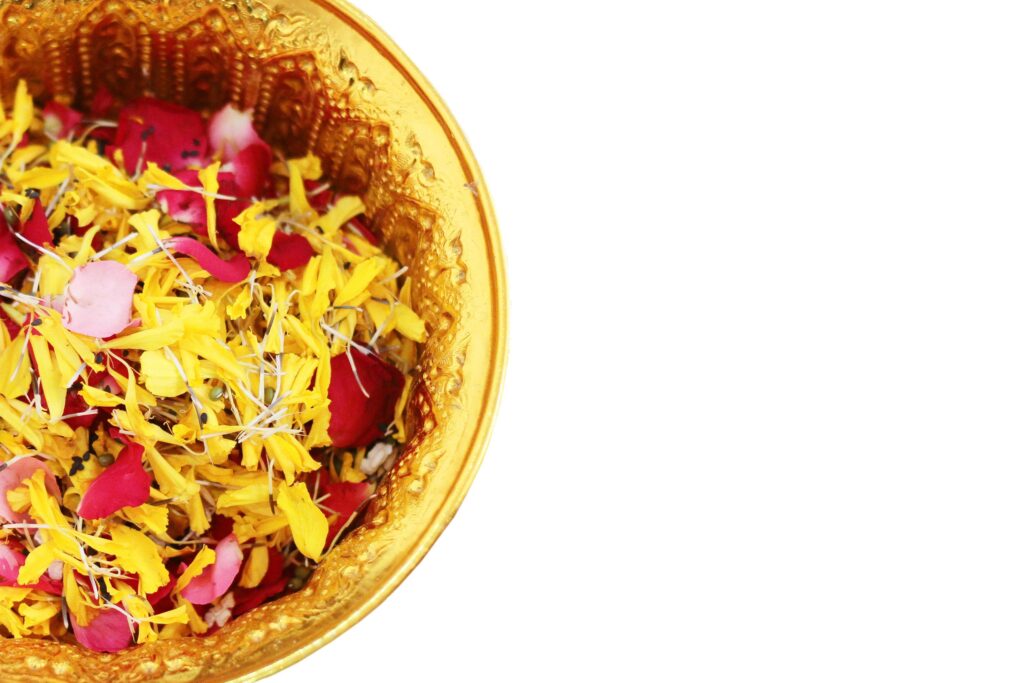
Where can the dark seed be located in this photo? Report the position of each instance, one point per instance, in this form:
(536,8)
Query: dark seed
(148,133)
(204,418)
(295,583)
(105,459)
(37,322)
(11,216)
(32,193)
(98,359)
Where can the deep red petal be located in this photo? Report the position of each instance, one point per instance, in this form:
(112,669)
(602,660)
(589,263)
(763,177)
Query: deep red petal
(35,229)
(60,121)
(248,599)
(321,200)
(357,420)
(289,251)
(102,102)
(12,260)
(343,498)
(251,169)
(74,403)
(235,270)
(173,136)
(359,225)
(123,484)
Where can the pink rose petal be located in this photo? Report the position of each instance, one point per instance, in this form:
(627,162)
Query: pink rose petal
(109,631)
(123,484)
(11,477)
(10,562)
(231,132)
(235,270)
(217,578)
(98,300)
(60,121)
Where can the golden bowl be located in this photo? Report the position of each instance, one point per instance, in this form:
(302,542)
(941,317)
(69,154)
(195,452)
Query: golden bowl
(322,78)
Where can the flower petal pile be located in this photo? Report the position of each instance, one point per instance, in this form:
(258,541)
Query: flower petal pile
(204,361)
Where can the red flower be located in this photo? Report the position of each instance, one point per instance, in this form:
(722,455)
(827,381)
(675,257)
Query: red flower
(60,121)
(36,230)
(167,134)
(288,252)
(123,484)
(344,498)
(363,391)
(12,261)
(274,581)
(235,270)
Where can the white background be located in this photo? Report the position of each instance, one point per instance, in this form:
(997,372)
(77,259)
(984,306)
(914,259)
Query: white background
(762,418)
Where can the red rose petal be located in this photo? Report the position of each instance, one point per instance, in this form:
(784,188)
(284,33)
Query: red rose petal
(251,169)
(11,478)
(109,631)
(184,206)
(217,578)
(235,270)
(36,230)
(171,136)
(357,420)
(344,498)
(248,599)
(359,225)
(319,200)
(102,102)
(12,260)
(60,121)
(125,484)
(288,252)
(74,403)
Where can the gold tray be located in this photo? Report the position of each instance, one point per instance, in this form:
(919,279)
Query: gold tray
(323,78)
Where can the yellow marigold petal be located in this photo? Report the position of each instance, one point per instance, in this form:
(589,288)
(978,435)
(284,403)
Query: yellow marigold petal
(22,113)
(203,559)
(362,276)
(208,178)
(150,339)
(98,398)
(344,210)
(160,375)
(53,388)
(410,324)
(257,235)
(308,522)
(255,567)
(136,553)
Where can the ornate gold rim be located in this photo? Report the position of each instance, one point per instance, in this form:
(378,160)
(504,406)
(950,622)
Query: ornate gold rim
(484,418)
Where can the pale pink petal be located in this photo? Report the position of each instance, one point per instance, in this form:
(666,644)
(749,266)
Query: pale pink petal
(235,270)
(109,631)
(124,484)
(98,300)
(11,476)
(218,577)
(231,131)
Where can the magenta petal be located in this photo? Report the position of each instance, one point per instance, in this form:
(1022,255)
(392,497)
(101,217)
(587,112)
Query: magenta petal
(109,631)
(231,132)
(12,261)
(10,562)
(124,484)
(11,477)
(98,300)
(289,251)
(167,134)
(251,169)
(217,578)
(60,121)
(235,270)
(36,230)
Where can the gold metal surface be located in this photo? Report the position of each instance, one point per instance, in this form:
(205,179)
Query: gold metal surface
(321,78)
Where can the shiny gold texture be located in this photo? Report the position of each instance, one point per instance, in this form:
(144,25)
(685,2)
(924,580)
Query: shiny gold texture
(322,78)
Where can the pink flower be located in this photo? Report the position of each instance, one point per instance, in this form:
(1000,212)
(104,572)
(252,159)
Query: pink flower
(217,578)
(98,300)
(11,477)
(108,631)
(231,132)
(11,561)
(362,400)
(123,484)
